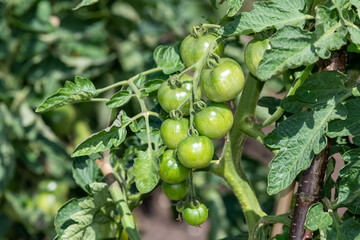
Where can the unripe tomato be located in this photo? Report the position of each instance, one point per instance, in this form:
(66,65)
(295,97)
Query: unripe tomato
(173,131)
(254,53)
(214,121)
(195,214)
(171,170)
(223,82)
(195,152)
(171,98)
(192,48)
(175,191)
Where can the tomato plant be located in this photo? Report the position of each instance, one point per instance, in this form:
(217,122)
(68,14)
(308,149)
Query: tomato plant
(153,127)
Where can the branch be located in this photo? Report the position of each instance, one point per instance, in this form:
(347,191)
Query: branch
(117,194)
(312,178)
(231,158)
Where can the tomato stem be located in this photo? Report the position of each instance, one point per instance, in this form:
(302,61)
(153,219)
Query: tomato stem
(126,82)
(116,192)
(192,191)
(232,152)
(280,111)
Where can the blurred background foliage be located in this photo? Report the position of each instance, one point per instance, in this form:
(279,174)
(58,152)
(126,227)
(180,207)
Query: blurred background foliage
(45,42)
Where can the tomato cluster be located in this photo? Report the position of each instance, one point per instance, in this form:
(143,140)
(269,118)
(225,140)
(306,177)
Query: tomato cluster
(189,142)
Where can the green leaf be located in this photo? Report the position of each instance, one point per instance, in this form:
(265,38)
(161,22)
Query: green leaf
(84,3)
(316,90)
(269,102)
(349,185)
(83,89)
(168,59)
(350,229)
(316,218)
(356,140)
(303,134)
(292,104)
(353,48)
(153,85)
(62,219)
(134,126)
(356,3)
(354,34)
(103,140)
(234,6)
(296,4)
(119,99)
(349,126)
(146,167)
(89,206)
(273,15)
(85,171)
(292,47)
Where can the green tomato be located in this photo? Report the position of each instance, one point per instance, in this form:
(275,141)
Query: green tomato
(195,152)
(175,191)
(193,48)
(61,119)
(214,121)
(254,53)
(223,82)
(195,214)
(171,170)
(173,131)
(171,98)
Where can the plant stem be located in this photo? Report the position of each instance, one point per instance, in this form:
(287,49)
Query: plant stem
(280,111)
(312,178)
(245,112)
(125,82)
(117,194)
(231,158)
(127,220)
(144,110)
(308,192)
(98,100)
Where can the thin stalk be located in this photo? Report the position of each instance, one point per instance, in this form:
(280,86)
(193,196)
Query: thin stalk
(117,194)
(144,110)
(186,70)
(98,100)
(125,82)
(280,111)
